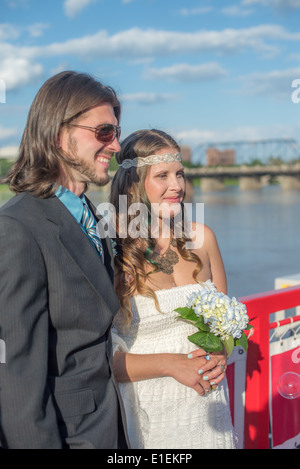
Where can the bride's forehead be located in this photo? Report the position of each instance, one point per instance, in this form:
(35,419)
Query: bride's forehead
(167,167)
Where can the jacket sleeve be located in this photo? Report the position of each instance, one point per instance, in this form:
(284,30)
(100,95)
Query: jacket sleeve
(27,415)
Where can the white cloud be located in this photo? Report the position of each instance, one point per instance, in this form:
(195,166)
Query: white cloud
(195,11)
(285,4)
(196,137)
(187,73)
(146,98)
(275,83)
(137,43)
(73,7)
(236,10)
(294,57)
(20,64)
(6,133)
(8,32)
(17,3)
(37,29)
(18,72)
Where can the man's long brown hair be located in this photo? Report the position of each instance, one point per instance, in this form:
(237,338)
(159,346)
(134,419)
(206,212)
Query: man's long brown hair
(62,98)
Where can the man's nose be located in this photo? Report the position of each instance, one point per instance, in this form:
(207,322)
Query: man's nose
(115,145)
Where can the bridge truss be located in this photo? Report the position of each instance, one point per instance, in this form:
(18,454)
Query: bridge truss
(248,151)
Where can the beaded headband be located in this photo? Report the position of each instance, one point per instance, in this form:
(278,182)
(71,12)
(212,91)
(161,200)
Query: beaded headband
(150,160)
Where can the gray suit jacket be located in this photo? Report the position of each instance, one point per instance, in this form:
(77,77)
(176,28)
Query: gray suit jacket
(57,304)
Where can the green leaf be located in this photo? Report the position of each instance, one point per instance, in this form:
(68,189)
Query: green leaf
(187,313)
(249,327)
(201,325)
(242,341)
(182,310)
(207,341)
(229,344)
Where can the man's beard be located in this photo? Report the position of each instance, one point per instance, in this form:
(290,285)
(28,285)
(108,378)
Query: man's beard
(82,167)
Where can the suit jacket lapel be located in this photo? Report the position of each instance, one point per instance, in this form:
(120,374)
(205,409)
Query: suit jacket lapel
(81,250)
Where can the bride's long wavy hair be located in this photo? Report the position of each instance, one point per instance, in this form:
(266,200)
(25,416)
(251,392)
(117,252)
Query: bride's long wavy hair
(132,254)
(62,99)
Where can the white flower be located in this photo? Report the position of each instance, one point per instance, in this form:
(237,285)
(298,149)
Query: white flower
(217,316)
(225,316)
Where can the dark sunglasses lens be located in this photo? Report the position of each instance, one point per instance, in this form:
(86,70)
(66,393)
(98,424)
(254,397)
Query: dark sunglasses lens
(107,133)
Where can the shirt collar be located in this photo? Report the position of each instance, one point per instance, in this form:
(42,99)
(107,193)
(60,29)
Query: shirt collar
(71,201)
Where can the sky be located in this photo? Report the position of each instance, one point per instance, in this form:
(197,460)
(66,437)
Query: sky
(204,71)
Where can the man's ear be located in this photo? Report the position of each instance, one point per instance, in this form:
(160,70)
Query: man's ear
(60,138)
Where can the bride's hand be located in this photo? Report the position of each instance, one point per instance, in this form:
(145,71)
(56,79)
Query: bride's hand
(186,371)
(193,370)
(213,366)
(196,370)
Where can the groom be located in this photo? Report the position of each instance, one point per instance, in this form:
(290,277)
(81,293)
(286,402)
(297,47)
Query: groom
(57,301)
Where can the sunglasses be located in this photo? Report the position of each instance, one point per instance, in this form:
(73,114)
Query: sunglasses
(104,133)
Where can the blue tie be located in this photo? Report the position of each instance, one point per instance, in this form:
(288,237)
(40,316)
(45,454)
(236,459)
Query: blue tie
(89,224)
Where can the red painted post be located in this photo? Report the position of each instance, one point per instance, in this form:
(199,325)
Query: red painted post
(259,308)
(257,383)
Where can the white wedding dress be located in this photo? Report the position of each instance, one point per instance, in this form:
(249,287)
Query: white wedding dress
(161,412)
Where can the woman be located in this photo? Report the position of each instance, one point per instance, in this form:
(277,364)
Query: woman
(169,386)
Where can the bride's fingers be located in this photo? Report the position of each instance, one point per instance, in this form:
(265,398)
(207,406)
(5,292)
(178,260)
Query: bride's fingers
(202,360)
(216,375)
(201,389)
(212,359)
(210,368)
(197,353)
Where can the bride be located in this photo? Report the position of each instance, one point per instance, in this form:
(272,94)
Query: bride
(175,394)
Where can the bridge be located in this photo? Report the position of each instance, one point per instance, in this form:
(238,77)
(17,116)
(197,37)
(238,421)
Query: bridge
(247,151)
(231,172)
(275,158)
(250,177)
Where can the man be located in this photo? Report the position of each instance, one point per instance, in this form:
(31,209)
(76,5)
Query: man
(57,300)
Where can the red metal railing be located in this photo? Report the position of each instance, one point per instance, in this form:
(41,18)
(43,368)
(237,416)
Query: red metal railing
(259,307)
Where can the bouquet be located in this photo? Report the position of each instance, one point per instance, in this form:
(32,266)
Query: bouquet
(220,320)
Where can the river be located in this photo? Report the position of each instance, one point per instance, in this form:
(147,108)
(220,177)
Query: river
(258,234)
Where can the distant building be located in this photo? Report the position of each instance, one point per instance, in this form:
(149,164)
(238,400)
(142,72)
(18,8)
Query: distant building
(216,157)
(186,153)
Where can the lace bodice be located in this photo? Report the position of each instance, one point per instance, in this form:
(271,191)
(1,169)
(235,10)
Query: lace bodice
(152,329)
